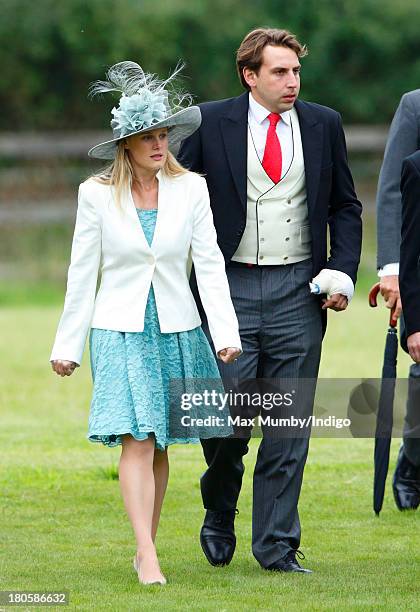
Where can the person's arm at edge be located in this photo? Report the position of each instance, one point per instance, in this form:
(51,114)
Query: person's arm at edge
(344,218)
(410,256)
(81,282)
(403,140)
(210,271)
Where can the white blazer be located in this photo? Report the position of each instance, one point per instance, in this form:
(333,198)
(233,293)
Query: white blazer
(112,241)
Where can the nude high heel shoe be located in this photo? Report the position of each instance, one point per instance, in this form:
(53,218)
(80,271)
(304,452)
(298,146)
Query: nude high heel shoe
(161,581)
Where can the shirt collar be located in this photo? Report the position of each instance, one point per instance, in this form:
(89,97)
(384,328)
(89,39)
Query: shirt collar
(260,113)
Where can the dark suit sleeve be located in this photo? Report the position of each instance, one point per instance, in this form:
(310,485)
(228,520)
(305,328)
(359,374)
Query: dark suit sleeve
(190,154)
(410,247)
(344,215)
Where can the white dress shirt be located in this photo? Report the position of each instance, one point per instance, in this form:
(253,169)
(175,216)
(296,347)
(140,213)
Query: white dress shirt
(258,124)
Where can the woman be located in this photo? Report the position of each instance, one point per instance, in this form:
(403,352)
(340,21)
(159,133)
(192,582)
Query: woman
(144,336)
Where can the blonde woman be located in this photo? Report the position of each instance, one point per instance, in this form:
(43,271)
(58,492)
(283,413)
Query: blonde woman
(137,223)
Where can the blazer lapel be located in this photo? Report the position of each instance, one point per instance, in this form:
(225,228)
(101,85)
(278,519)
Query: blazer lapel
(161,211)
(312,134)
(234,128)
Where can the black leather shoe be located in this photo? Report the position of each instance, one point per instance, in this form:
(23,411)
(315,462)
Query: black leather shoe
(406,483)
(217,536)
(289,563)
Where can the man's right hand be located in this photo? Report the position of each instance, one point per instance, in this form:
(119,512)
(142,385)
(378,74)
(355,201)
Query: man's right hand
(390,291)
(413,344)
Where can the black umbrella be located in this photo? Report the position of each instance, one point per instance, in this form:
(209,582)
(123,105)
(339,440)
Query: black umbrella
(384,419)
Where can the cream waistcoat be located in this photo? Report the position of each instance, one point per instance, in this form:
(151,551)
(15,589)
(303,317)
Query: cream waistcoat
(277,227)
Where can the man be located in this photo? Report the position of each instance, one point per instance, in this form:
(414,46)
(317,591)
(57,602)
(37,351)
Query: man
(277,174)
(403,140)
(407,480)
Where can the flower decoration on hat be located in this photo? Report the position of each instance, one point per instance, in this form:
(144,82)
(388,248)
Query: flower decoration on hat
(145,101)
(139,111)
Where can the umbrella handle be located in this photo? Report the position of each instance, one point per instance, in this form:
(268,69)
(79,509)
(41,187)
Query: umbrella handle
(373,294)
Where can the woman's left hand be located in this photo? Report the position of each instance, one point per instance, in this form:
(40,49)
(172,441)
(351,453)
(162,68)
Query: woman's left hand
(229,355)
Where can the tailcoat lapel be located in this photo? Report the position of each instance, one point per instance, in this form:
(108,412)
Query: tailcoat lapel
(234,129)
(312,134)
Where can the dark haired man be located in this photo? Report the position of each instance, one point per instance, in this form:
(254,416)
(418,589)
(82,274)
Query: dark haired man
(277,174)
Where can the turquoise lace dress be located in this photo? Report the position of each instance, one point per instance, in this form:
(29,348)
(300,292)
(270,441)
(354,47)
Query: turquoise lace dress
(140,378)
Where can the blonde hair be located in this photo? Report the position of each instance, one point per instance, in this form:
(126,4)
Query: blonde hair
(120,172)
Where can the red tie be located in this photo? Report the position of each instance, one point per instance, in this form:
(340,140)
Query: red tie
(272,159)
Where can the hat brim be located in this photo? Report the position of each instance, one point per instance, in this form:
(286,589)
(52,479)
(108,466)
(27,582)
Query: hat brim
(180,125)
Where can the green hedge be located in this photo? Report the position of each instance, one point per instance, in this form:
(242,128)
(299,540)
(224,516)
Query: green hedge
(363,53)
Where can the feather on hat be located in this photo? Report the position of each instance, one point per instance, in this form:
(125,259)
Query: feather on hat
(146,103)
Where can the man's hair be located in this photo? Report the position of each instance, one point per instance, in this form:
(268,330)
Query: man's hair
(250,52)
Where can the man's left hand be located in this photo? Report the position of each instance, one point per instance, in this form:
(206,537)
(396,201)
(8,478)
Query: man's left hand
(336,302)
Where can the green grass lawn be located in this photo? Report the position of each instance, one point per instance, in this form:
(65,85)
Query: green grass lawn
(64,524)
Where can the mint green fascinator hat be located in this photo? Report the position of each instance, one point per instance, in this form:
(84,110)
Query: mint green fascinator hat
(146,103)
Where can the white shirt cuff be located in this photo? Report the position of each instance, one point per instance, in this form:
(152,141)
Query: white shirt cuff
(389,270)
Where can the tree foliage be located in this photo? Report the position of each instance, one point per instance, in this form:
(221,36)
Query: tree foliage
(364,54)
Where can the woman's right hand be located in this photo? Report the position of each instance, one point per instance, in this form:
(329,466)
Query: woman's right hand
(62,367)
(229,355)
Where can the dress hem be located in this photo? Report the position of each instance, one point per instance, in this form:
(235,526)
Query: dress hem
(99,438)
